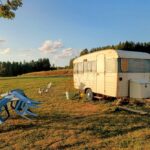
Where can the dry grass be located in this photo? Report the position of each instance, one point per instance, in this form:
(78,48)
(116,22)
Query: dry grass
(70,124)
(62,72)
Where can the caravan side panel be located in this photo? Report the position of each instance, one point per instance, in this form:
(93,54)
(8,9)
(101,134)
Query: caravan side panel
(111,84)
(123,86)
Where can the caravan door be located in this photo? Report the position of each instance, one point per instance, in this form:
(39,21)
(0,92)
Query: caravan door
(101,74)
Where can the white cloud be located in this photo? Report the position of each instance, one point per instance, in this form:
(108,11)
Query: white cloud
(50,46)
(65,53)
(5,51)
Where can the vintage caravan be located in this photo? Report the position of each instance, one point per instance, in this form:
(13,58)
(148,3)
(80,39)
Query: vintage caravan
(114,73)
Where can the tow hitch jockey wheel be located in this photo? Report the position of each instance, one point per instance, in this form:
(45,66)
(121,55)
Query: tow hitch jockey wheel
(89,94)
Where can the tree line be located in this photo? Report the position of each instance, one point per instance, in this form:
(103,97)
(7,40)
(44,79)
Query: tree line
(127,45)
(18,68)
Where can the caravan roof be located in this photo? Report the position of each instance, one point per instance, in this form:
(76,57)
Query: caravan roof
(117,54)
(133,54)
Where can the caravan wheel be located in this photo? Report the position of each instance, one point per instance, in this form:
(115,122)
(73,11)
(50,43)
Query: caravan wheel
(89,95)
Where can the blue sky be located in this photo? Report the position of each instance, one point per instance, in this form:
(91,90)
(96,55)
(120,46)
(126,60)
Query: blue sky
(60,29)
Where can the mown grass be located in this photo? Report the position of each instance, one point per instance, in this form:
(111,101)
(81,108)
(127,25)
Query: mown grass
(70,124)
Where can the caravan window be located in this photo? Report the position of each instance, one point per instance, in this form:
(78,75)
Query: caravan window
(134,65)
(111,65)
(124,64)
(80,67)
(85,66)
(94,66)
(89,66)
(75,67)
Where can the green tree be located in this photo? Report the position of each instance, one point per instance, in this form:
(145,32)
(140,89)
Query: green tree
(83,52)
(127,45)
(7,10)
(71,63)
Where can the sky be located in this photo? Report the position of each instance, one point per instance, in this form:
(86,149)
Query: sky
(60,29)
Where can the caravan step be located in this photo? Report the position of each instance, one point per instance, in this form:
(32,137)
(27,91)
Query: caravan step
(99,97)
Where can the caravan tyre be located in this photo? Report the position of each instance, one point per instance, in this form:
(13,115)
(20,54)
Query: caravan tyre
(89,95)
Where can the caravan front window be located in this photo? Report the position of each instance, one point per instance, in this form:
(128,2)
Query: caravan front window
(111,65)
(133,65)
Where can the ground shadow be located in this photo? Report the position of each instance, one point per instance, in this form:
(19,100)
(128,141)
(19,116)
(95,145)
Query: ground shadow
(103,126)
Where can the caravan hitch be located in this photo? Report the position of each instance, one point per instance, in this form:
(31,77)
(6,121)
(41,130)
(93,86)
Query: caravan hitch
(19,102)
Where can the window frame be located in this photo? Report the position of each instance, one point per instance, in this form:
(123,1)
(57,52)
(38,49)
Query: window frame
(129,67)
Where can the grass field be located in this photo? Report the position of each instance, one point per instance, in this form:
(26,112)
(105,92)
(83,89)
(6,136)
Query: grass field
(60,72)
(70,124)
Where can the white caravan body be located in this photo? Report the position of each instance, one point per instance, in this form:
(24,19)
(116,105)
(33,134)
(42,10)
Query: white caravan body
(109,72)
